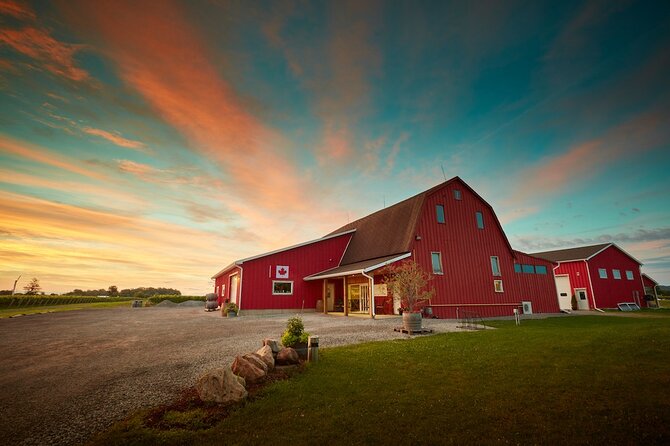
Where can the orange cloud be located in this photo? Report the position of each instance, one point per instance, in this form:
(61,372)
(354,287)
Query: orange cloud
(77,246)
(552,175)
(37,43)
(160,55)
(29,151)
(16,9)
(116,139)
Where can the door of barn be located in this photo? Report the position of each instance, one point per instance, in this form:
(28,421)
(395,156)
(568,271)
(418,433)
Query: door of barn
(234,285)
(582,299)
(563,289)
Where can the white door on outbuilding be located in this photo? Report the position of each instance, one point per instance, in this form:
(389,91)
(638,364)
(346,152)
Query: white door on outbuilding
(564,290)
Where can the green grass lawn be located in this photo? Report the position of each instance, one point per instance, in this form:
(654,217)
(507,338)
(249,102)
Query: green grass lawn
(13,312)
(571,380)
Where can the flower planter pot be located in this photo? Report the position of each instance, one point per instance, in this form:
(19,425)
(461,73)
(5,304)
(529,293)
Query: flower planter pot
(301,349)
(232,314)
(411,321)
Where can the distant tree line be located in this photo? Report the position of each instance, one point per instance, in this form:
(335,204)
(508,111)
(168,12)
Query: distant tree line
(113,291)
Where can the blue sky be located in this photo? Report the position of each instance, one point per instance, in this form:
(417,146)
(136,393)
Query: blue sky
(151,143)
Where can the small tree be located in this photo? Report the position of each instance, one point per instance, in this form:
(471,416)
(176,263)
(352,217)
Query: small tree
(409,281)
(295,333)
(113,291)
(33,287)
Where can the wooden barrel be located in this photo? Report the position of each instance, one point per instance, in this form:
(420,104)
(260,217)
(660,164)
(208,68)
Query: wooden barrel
(411,321)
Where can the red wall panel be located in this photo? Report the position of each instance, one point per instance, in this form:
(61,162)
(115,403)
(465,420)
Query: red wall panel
(467,282)
(579,277)
(258,275)
(609,292)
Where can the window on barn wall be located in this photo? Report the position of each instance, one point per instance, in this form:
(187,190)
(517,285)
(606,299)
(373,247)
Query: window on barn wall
(498,286)
(436,260)
(495,266)
(282,287)
(629,275)
(439,210)
(457,194)
(540,269)
(602,273)
(517,267)
(528,269)
(480,219)
(616,274)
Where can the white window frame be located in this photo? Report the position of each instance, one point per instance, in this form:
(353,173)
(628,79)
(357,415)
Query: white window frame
(498,273)
(629,275)
(432,265)
(282,281)
(602,273)
(457,194)
(496,288)
(615,273)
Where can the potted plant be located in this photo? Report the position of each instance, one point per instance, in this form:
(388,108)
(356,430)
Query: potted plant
(231,309)
(410,282)
(295,336)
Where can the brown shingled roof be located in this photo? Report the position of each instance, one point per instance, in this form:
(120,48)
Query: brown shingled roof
(566,255)
(386,232)
(391,230)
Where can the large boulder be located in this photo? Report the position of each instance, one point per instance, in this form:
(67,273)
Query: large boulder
(287,356)
(265,354)
(274,345)
(220,386)
(248,370)
(257,361)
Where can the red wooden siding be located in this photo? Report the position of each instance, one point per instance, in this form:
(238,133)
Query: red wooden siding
(259,274)
(579,277)
(466,260)
(223,294)
(609,292)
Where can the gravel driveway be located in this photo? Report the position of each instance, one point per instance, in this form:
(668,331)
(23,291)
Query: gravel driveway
(65,376)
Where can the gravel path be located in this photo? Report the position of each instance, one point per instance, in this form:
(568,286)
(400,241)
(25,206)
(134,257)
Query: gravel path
(65,376)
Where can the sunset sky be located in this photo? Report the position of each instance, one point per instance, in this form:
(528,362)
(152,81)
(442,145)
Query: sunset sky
(152,143)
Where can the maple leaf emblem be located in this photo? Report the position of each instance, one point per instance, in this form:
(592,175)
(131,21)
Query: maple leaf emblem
(282,271)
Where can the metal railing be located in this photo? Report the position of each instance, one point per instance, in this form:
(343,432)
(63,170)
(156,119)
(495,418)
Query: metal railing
(470,320)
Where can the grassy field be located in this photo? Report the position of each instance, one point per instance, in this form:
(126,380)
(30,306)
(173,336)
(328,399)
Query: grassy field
(572,380)
(17,311)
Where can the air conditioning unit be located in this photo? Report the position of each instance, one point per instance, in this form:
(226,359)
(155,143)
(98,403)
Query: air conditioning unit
(527,307)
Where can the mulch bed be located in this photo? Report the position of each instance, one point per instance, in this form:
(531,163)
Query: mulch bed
(200,414)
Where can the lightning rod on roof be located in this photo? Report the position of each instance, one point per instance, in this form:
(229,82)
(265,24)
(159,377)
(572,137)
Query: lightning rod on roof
(442,167)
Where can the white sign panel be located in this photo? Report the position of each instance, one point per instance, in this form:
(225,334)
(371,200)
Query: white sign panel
(281,272)
(380,290)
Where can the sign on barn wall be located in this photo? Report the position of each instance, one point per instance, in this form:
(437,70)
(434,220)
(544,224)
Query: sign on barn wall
(380,290)
(281,272)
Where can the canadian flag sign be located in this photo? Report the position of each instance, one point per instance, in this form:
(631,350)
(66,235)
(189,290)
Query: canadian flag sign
(281,272)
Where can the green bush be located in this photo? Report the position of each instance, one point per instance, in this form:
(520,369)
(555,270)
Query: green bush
(295,333)
(231,307)
(153,300)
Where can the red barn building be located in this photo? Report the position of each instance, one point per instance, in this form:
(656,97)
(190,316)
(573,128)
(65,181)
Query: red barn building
(599,276)
(650,292)
(449,230)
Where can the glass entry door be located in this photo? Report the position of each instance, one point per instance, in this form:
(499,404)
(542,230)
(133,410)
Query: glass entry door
(359,298)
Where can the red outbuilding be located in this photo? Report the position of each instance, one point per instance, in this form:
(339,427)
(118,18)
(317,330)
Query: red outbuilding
(598,276)
(449,230)
(650,291)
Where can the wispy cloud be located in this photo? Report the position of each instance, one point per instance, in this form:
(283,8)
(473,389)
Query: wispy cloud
(37,43)
(117,139)
(78,245)
(554,174)
(38,154)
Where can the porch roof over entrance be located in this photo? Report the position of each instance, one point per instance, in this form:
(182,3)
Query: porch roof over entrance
(358,267)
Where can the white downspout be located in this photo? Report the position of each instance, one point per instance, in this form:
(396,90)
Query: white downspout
(239,299)
(372,293)
(593,293)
